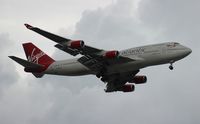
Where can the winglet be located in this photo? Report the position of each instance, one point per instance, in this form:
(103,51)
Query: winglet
(28,26)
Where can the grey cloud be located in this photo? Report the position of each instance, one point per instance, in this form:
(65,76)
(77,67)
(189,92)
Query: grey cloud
(8,74)
(73,84)
(114,24)
(179,19)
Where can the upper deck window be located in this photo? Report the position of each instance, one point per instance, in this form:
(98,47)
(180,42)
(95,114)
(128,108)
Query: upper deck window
(176,43)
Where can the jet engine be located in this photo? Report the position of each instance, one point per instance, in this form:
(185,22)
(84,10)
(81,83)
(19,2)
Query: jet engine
(76,44)
(111,54)
(127,88)
(139,79)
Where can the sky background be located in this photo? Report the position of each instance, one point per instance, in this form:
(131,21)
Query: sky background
(168,96)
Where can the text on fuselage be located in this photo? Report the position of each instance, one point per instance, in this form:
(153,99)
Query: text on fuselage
(133,51)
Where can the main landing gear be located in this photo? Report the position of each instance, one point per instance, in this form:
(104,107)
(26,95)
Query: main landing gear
(171,65)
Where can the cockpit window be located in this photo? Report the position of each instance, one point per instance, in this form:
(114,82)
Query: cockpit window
(176,43)
(172,44)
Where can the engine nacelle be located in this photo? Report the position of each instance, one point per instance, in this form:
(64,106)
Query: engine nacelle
(76,44)
(111,54)
(127,88)
(139,79)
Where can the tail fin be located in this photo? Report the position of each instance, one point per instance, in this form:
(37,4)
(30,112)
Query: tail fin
(36,55)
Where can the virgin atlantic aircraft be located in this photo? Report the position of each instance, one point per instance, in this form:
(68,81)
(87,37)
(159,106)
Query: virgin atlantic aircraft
(117,69)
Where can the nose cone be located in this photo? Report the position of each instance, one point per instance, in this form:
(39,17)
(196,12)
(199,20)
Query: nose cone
(180,51)
(188,51)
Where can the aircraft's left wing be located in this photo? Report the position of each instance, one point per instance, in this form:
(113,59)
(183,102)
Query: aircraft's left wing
(72,47)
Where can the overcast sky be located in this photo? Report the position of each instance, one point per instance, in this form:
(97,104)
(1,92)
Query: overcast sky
(169,97)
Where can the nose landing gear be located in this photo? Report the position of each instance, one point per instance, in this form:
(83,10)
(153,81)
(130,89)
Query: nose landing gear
(171,65)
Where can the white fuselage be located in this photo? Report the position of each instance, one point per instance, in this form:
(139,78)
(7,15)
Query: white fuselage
(142,57)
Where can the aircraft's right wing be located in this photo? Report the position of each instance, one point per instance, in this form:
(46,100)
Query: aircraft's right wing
(117,82)
(99,64)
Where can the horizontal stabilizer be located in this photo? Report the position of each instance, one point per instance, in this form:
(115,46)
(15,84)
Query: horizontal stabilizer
(25,63)
(28,65)
(38,75)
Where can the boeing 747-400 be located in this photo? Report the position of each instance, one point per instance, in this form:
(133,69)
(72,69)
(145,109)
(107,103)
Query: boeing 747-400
(117,69)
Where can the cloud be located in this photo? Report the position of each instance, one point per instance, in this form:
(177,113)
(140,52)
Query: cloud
(8,74)
(115,24)
(178,20)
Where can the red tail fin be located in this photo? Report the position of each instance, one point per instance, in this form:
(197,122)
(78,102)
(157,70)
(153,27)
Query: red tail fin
(37,56)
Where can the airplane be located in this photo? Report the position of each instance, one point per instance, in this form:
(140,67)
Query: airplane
(117,69)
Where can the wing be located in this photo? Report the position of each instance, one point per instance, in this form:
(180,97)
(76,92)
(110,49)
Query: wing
(64,42)
(117,82)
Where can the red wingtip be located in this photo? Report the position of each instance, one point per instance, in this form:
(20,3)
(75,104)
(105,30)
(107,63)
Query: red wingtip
(28,26)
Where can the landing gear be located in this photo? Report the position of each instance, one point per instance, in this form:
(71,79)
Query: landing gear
(104,79)
(171,65)
(98,75)
(101,73)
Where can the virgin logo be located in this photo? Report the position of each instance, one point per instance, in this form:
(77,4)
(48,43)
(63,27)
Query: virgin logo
(35,57)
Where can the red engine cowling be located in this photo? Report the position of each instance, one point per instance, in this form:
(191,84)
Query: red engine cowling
(139,79)
(111,54)
(128,88)
(76,44)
